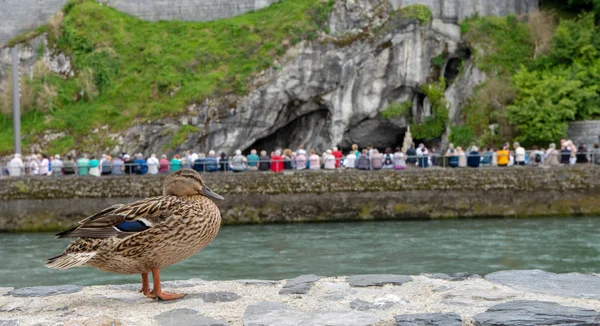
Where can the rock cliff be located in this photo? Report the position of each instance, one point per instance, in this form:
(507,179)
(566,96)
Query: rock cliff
(330,90)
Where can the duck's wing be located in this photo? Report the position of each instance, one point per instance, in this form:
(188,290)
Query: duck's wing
(123,220)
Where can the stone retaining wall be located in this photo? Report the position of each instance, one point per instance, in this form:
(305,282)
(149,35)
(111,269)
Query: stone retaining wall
(50,203)
(503,298)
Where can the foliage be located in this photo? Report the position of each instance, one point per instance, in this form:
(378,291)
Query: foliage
(130,70)
(422,13)
(501,44)
(541,27)
(435,125)
(26,36)
(461,136)
(181,135)
(397,110)
(565,85)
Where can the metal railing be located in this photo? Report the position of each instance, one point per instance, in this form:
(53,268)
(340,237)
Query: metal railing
(483,160)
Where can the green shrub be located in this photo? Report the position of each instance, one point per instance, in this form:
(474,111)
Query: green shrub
(422,13)
(435,125)
(397,110)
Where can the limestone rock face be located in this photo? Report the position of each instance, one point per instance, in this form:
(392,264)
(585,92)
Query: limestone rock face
(330,91)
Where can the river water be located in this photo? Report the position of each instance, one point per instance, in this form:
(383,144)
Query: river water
(284,251)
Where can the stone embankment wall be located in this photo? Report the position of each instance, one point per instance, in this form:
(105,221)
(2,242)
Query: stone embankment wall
(516,298)
(58,202)
(587,132)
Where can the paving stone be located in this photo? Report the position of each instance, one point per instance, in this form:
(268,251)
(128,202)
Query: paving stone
(257,282)
(277,314)
(45,291)
(183,283)
(188,317)
(10,322)
(536,313)
(434,319)
(377,280)
(454,277)
(572,285)
(126,297)
(361,305)
(219,296)
(300,284)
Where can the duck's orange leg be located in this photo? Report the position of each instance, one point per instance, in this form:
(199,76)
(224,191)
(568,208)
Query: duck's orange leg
(158,289)
(146,287)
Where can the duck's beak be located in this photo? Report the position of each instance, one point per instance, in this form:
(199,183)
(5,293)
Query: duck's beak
(211,194)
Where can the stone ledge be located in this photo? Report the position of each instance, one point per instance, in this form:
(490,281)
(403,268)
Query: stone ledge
(425,300)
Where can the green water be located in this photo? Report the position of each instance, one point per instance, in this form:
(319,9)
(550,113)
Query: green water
(284,251)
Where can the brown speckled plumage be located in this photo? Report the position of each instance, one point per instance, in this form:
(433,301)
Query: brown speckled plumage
(178,225)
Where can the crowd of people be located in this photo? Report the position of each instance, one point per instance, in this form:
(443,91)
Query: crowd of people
(368,158)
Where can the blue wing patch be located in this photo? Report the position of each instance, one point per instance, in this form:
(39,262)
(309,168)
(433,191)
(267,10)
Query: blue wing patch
(136,226)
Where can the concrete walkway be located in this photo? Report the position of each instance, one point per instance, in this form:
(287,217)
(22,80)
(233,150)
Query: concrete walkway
(502,298)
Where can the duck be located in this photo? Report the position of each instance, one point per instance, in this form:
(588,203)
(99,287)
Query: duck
(148,235)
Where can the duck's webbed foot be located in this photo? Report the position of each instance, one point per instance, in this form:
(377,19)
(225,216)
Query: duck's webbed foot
(157,292)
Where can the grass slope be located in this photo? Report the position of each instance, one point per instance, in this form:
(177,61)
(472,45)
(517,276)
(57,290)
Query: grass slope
(132,70)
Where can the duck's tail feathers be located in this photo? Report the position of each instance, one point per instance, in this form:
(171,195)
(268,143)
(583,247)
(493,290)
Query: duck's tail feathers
(69,260)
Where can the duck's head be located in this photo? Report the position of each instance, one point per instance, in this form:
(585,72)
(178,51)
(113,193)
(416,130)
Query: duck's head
(187,182)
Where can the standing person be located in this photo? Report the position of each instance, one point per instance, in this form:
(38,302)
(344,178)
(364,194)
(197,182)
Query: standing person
(363,160)
(223,162)
(434,156)
(163,164)
(422,156)
(301,159)
(355,151)
(487,157)
(329,161)
(350,160)
(106,166)
(193,157)
(129,164)
(552,156)
(253,160)
(264,161)
(537,156)
(596,154)
(57,165)
(582,156)
(314,160)
(462,157)
(152,163)
(83,165)
(16,166)
(565,153)
(117,165)
(288,159)
(376,159)
(238,162)
(102,160)
(140,165)
(69,166)
(474,158)
(519,154)
(187,160)
(210,162)
(338,157)
(276,161)
(200,163)
(94,169)
(44,164)
(388,159)
(399,162)
(175,163)
(411,155)
(573,156)
(452,156)
(503,156)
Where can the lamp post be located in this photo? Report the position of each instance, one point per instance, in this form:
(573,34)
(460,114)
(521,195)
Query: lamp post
(16,100)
